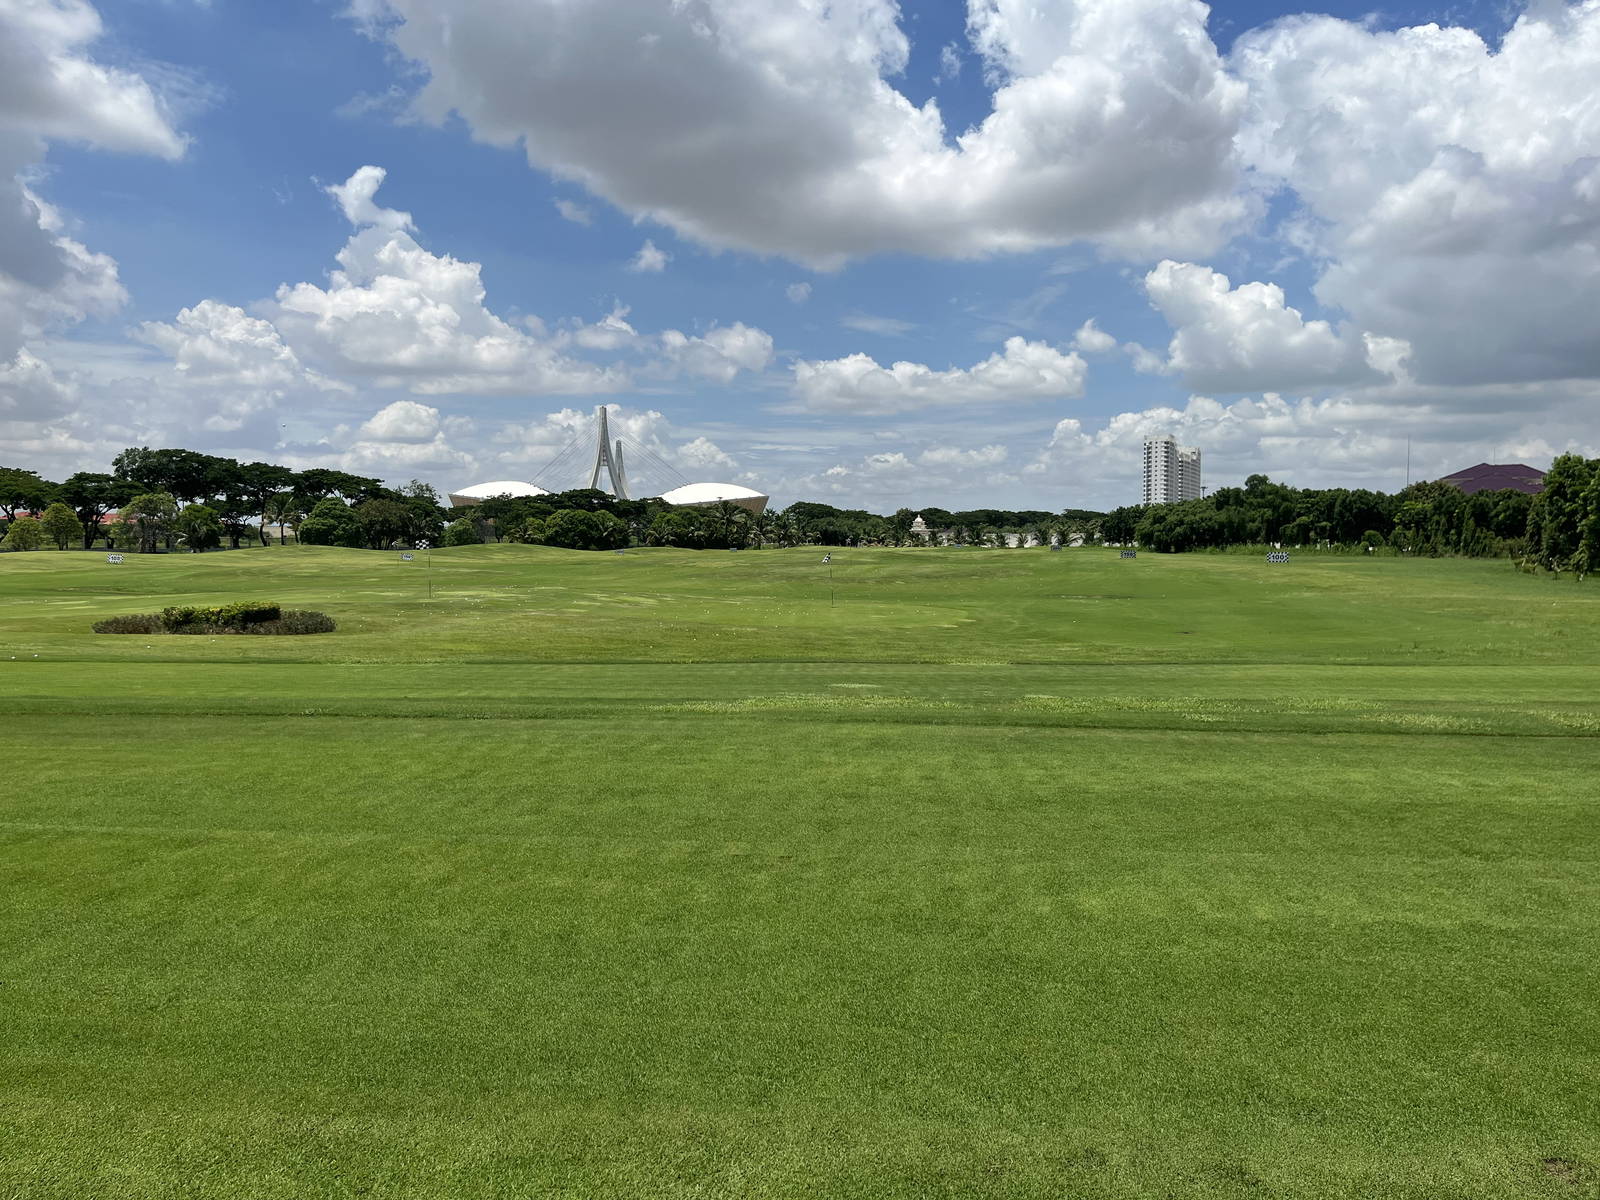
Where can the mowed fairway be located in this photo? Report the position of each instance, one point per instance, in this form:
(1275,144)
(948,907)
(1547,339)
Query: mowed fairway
(660,875)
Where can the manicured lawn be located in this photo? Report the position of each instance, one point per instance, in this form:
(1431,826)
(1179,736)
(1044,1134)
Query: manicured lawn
(1008,874)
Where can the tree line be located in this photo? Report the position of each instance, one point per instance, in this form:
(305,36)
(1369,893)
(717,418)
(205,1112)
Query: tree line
(1557,529)
(182,499)
(171,498)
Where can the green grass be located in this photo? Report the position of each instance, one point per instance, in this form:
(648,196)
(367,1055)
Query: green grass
(1007,874)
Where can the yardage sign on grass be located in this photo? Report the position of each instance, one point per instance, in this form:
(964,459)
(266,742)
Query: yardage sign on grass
(1278,556)
(1129,554)
(114,559)
(406,557)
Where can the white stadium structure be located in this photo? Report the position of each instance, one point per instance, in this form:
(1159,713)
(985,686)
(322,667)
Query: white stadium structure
(702,495)
(479,492)
(609,459)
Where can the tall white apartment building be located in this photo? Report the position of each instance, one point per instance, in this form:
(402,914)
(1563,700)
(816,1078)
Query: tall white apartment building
(1189,473)
(1171,471)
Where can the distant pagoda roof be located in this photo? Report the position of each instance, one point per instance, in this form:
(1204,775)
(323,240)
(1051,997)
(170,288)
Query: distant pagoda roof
(1494,477)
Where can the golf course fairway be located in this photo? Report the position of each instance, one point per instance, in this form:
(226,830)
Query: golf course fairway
(919,873)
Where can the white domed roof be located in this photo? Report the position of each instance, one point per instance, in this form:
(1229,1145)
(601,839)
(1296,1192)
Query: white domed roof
(480,492)
(711,493)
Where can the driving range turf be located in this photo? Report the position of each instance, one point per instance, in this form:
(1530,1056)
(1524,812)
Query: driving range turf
(675,874)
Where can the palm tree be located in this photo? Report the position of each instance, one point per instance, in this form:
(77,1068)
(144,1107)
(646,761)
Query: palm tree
(761,527)
(284,509)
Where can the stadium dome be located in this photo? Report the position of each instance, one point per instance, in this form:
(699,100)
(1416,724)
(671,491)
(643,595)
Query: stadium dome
(701,495)
(479,492)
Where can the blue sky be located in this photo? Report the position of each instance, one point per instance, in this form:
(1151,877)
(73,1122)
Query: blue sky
(1303,241)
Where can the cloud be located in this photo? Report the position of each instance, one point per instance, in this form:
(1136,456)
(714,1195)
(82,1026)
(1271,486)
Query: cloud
(949,63)
(984,456)
(30,390)
(1023,370)
(889,479)
(220,343)
(610,332)
(1091,339)
(882,326)
(1247,338)
(572,211)
(798,293)
(774,126)
(649,260)
(51,90)
(402,421)
(702,455)
(397,315)
(355,198)
(1145,360)
(1447,190)
(721,353)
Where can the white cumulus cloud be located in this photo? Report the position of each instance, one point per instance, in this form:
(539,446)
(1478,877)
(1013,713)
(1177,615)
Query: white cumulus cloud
(1091,339)
(1450,187)
(402,421)
(51,90)
(1023,370)
(775,125)
(650,260)
(1248,338)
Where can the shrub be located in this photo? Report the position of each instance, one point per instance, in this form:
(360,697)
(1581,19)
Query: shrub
(287,621)
(294,621)
(139,623)
(191,618)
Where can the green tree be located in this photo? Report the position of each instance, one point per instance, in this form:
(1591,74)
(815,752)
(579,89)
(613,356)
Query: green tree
(92,496)
(332,523)
(577,529)
(122,535)
(425,516)
(24,491)
(60,525)
(317,483)
(1120,525)
(463,531)
(24,533)
(382,521)
(684,528)
(199,527)
(761,528)
(1556,518)
(530,533)
(285,510)
(258,483)
(153,515)
(185,475)
(1588,556)
(732,525)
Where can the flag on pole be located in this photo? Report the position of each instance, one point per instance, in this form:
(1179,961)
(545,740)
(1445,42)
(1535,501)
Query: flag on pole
(827,558)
